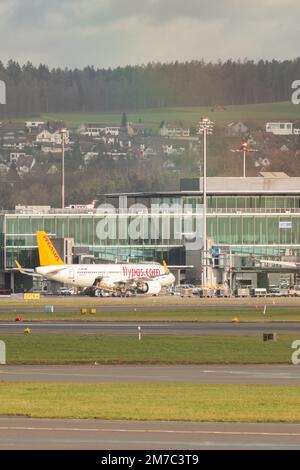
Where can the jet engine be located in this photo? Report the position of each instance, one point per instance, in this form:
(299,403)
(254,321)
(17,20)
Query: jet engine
(149,288)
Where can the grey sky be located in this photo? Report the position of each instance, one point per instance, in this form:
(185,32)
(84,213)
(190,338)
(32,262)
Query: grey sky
(119,32)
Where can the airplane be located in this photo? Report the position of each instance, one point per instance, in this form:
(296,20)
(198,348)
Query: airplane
(83,206)
(142,278)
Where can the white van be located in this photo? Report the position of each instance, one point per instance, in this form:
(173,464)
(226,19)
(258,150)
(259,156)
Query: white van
(259,292)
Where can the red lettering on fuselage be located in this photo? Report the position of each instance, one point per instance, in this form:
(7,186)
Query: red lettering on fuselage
(132,273)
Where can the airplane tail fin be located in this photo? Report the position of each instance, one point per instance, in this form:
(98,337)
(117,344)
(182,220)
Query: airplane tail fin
(47,253)
(166,267)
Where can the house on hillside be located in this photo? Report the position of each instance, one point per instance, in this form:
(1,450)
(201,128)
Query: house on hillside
(237,129)
(170,150)
(52,170)
(25,165)
(284,148)
(46,137)
(280,128)
(53,148)
(99,129)
(4,169)
(135,129)
(89,156)
(15,156)
(174,131)
(32,126)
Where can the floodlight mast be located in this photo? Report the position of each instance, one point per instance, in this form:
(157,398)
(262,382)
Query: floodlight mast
(63,133)
(245,148)
(205,128)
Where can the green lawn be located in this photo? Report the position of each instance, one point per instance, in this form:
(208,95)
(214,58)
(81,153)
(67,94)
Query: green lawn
(60,349)
(136,314)
(188,115)
(230,403)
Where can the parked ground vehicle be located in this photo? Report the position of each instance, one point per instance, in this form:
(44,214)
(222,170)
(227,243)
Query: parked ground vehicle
(243,292)
(279,291)
(274,291)
(259,292)
(65,291)
(295,291)
(222,292)
(186,289)
(206,292)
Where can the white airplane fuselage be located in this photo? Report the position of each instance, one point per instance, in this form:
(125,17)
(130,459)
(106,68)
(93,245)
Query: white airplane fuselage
(85,275)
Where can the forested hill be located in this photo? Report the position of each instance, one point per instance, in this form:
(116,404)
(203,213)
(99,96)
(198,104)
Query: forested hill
(33,90)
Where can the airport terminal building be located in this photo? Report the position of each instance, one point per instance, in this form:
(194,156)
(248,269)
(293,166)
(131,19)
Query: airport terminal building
(247,219)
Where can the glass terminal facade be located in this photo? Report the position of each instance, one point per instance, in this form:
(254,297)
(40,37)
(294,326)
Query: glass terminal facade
(260,224)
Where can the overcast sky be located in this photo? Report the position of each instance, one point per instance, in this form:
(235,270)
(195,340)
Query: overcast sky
(108,33)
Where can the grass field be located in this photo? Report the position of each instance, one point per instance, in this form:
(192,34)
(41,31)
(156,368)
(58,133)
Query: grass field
(152,309)
(134,314)
(59,349)
(188,115)
(230,403)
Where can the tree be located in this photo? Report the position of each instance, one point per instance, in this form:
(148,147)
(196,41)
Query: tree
(124,121)
(33,90)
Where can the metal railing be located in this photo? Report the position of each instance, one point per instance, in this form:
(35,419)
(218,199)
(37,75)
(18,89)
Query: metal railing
(183,211)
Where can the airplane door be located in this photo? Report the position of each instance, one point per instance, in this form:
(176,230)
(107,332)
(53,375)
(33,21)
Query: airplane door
(71,275)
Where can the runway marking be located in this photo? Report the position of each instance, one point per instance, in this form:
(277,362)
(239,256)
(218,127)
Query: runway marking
(153,431)
(55,374)
(266,374)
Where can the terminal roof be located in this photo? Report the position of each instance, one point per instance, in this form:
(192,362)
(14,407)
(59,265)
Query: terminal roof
(268,183)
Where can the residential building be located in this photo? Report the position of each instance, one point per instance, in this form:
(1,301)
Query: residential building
(280,128)
(174,131)
(237,129)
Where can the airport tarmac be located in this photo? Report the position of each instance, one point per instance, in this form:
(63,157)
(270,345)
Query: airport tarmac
(33,434)
(151,328)
(206,374)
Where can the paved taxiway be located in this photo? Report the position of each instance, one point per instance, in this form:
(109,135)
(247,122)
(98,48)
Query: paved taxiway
(152,328)
(206,374)
(33,434)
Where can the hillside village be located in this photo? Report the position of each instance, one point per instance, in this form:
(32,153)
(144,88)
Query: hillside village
(34,148)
